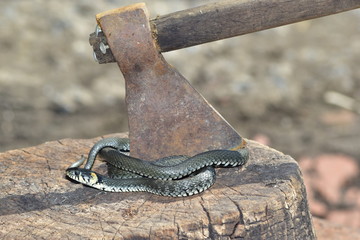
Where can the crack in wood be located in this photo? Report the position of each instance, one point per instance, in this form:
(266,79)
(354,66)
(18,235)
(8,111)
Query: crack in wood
(241,217)
(118,230)
(210,227)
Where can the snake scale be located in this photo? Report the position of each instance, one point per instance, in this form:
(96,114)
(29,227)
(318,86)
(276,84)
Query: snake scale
(174,176)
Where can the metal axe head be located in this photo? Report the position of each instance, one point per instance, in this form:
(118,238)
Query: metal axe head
(167,116)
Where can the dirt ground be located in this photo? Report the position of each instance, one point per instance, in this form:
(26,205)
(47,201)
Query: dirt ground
(295,88)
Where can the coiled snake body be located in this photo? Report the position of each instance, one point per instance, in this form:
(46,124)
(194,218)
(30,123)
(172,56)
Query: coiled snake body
(174,176)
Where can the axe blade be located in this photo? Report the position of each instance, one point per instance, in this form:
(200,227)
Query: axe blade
(167,116)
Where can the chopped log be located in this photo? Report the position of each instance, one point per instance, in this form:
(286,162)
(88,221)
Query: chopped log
(265,199)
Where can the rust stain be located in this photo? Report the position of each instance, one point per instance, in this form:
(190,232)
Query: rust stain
(167,116)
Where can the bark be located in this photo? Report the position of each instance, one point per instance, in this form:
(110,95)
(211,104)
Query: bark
(266,199)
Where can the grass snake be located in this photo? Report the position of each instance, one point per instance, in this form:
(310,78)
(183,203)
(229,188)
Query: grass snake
(174,176)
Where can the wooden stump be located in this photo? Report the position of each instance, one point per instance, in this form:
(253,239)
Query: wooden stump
(266,199)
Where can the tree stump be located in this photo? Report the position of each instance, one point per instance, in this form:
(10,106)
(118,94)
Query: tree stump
(265,199)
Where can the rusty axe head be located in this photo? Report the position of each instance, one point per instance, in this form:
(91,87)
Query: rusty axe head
(167,116)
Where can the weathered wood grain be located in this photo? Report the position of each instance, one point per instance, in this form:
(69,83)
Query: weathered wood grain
(266,199)
(229,18)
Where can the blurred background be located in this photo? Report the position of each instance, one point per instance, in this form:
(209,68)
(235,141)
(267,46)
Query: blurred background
(295,88)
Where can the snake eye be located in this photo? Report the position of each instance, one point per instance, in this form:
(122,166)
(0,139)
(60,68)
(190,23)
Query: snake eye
(76,172)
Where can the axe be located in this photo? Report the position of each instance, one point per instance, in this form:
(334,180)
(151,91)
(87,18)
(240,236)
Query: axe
(166,115)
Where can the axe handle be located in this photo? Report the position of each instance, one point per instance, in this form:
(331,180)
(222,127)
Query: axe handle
(231,18)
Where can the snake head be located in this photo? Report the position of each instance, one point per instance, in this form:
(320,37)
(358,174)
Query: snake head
(82,175)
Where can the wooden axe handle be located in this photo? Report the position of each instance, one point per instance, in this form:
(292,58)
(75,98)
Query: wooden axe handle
(231,18)
(227,18)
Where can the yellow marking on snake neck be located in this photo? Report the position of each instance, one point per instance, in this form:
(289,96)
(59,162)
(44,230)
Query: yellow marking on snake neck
(94,178)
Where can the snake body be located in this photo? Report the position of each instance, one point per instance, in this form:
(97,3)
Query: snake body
(122,181)
(174,176)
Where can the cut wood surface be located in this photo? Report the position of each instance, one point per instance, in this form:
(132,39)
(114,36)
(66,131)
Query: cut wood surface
(265,199)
